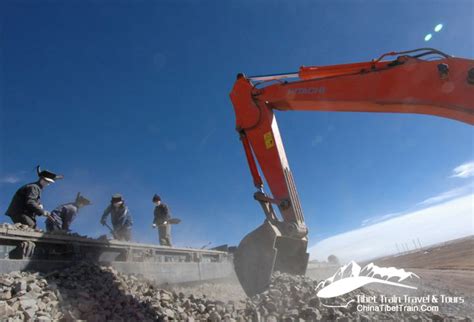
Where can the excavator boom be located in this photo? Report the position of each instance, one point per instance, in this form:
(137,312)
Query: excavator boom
(405,84)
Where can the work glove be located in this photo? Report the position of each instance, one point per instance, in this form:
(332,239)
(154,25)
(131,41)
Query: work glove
(154,225)
(165,222)
(46,213)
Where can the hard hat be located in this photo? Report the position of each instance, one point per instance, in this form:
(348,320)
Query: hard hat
(116,198)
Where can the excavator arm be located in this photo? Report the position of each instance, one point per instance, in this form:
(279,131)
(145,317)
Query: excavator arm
(407,84)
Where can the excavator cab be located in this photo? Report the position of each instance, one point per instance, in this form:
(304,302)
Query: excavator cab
(264,251)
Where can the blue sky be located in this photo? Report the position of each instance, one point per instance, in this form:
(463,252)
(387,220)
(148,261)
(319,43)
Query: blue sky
(132,97)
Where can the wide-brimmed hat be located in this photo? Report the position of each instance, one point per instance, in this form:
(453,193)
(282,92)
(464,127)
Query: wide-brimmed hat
(48,175)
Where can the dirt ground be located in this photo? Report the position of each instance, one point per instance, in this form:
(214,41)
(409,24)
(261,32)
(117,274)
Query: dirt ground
(453,255)
(446,269)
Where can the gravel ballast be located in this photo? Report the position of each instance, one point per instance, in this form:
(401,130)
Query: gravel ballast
(96,293)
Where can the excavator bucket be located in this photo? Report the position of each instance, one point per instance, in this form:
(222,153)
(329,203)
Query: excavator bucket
(264,251)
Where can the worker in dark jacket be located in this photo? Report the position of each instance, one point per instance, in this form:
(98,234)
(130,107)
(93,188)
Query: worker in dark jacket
(120,217)
(26,203)
(161,219)
(62,217)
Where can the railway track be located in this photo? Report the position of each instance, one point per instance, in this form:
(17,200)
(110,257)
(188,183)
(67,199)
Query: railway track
(161,263)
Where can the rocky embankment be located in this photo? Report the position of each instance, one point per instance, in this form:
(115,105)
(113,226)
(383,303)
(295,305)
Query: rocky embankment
(94,293)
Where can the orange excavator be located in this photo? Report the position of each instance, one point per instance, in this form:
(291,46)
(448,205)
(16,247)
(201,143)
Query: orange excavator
(421,81)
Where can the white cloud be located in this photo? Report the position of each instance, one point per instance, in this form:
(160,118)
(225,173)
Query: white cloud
(434,224)
(318,139)
(465,170)
(170,145)
(442,197)
(374,220)
(447,195)
(10,179)
(206,137)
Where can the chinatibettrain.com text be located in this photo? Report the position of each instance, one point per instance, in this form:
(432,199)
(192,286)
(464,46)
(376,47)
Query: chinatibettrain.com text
(404,303)
(396,308)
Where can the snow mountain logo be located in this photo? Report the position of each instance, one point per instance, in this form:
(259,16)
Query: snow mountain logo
(351,277)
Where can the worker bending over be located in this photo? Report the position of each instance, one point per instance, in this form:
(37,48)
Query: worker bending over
(120,217)
(26,203)
(62,217)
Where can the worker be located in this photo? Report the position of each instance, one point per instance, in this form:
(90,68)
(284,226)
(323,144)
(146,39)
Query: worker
(120,217)
(26,203)
(161,219)
(62,217)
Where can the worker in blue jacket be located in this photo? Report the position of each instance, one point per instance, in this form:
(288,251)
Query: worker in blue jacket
(120,216)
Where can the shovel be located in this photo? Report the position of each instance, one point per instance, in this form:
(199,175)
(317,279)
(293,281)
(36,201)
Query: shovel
(172,221)
(111,230)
